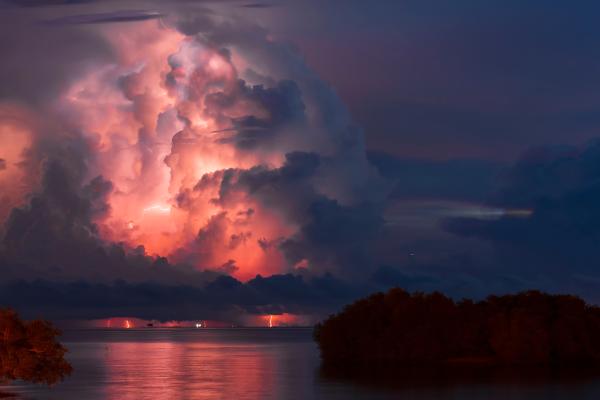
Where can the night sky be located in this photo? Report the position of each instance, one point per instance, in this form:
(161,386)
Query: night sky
(222,160)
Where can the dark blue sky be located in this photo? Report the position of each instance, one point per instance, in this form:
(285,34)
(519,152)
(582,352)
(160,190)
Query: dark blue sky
(452,79)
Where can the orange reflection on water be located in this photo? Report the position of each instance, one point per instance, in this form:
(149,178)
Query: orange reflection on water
(167,370)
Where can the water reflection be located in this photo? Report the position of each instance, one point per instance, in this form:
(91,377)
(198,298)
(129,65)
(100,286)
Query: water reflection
(261,364)
(166,371)
(459,375)
(184,364)
(465,382)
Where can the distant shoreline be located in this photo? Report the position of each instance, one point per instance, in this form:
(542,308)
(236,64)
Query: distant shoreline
(188,328)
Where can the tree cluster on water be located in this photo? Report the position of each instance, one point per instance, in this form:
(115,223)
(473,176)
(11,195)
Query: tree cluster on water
(30,351)
(400,328)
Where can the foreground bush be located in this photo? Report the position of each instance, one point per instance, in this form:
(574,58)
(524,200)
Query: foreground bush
(30,351)
(414,329)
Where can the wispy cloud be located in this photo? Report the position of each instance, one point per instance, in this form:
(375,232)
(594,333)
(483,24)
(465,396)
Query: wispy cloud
(45,3)
(257,5)
(107,18)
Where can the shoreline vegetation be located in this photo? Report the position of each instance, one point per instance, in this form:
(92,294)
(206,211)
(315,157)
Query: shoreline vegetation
(399,329)
(30,351)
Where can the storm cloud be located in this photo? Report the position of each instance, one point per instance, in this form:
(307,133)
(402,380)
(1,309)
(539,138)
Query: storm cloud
(171,160)
(196,157)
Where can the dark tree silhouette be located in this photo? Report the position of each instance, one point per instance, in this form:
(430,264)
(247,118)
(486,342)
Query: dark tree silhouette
(30,350)
(530,328)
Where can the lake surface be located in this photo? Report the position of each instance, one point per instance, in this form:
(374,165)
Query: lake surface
(166,364)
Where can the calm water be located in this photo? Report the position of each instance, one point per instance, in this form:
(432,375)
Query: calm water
(163,364)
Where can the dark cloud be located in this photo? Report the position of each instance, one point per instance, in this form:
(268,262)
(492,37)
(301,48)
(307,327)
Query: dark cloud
(454,179)
(2,164)
(548,172)
(257,5)
(45,3)
(289,187)
(559,241)
(222,299)
(283,103)
(225,298)
(58,220)
(239,238)
(208,241)
(106,18)
(332,236)
(336,237)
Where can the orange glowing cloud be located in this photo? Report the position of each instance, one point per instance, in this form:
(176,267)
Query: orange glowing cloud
(161,118)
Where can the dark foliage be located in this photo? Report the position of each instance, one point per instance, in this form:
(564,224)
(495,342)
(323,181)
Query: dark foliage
(30,351)
(399,328)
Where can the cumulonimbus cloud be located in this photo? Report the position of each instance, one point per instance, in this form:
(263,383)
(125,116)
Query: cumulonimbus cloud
(201,147)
